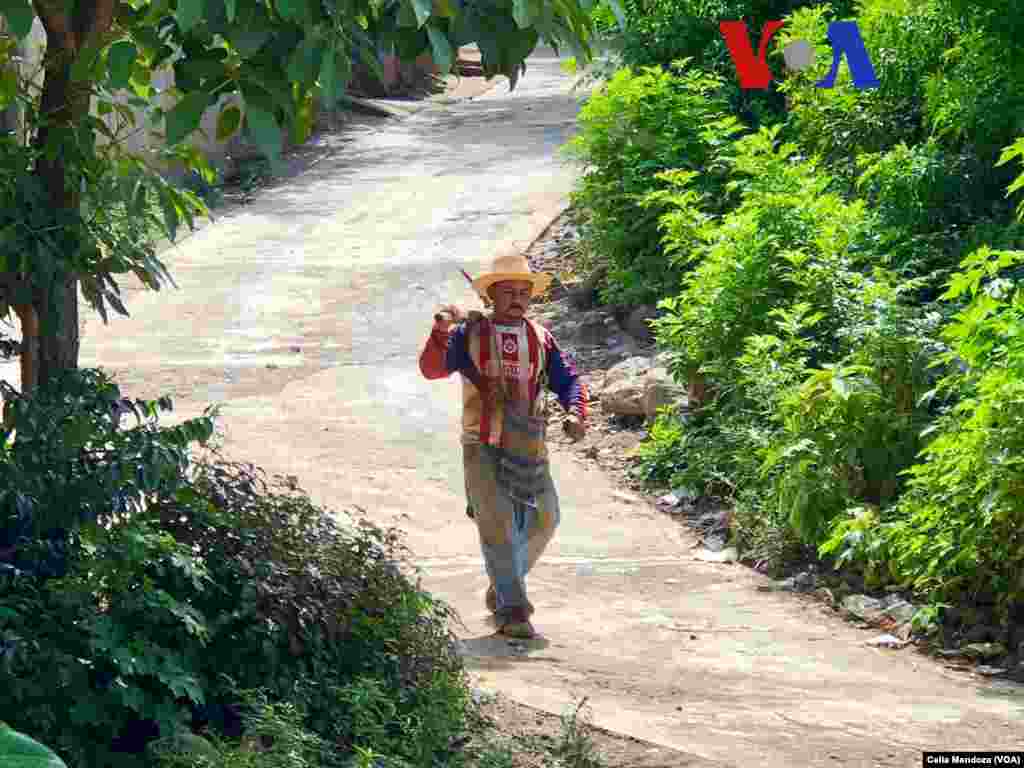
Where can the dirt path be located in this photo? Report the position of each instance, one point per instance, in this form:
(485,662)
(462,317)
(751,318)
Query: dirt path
(304,313)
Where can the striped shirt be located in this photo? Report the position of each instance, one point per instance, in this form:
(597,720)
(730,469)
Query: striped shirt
(448,353)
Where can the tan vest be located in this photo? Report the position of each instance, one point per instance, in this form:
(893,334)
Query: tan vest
(481,417)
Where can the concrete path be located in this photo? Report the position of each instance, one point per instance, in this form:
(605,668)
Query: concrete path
(333,277)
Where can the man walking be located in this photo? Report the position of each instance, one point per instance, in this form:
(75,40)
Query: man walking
(507,361)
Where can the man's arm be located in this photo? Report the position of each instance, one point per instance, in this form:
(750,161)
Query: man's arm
(564,381)
(444,353)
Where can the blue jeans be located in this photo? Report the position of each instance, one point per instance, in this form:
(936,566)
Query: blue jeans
(513,532)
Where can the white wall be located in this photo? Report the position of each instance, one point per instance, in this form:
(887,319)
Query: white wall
(144,138)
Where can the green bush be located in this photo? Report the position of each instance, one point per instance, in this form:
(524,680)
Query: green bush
(849,428)
(808,301)
(65,461)
(815,356)
(977,96)
(606,18)
(954,533)
(947,73)
(788,237)
(662,31)
(957,531)
(95,619)
(275,737)
(659,32)
(320,614)
(921,199)
(636,126)
(140,587)
(905,41)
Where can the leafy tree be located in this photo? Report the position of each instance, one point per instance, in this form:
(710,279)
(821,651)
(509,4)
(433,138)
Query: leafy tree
(66,195)
(21,751)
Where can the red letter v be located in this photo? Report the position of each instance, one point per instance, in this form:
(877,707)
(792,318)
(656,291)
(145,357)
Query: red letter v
(754,73)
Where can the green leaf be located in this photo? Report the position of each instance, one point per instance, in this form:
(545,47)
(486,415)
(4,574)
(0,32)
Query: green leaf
(20,751)
(517,47)
(465,29)
(207,67)
(248,41)
(256,95)
(344,74)
(189,14)
(228,121)
(279,92)
(19,15)
(329,78)
(231,6)
(215,17)
(302,127)
(305,61)
(8,87)
(116,303)
(252,29)
(148,40)
(410,43)
(292,10)
(406,15)
(524,12)
(84,65)
(442,49)
(134,698)
(197,748)
(185,116)
(1014,150)
(171,218)
(620,15)
(76,432)
(265,131)
(422,9)
(140,85)
(121,62)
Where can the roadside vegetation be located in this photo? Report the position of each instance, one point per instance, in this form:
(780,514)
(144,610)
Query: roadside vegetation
(155,597)
(838,278)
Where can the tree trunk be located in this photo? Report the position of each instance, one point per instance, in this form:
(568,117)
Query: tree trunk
(697,391)
(50,340)
(58,340)
(29,357)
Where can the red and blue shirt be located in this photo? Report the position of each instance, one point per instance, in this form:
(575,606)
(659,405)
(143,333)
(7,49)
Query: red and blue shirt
(485,351)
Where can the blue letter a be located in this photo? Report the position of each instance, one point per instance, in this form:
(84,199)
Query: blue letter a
(845,38)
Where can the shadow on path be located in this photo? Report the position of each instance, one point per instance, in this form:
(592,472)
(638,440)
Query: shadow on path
(495,650)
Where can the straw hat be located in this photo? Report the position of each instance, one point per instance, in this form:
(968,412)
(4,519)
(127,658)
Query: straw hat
(511,264)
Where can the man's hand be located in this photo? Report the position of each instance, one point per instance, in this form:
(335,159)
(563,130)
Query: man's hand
(574,428)
(447,316)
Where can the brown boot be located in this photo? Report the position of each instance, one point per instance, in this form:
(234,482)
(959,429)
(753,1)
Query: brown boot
(491,600)
(516,623)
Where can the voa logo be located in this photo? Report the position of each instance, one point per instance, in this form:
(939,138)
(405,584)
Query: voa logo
(754,73)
